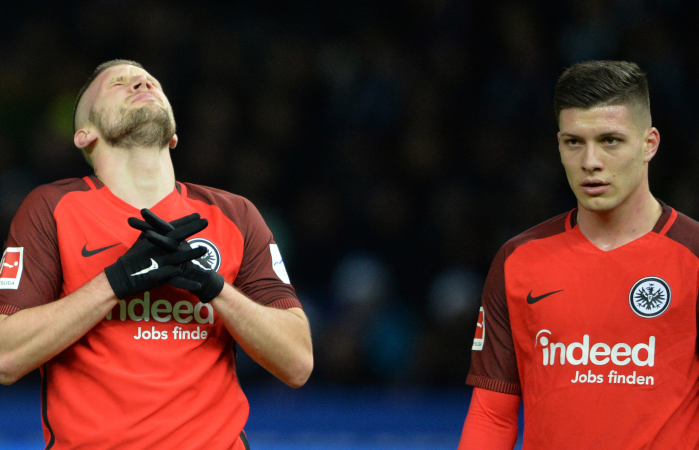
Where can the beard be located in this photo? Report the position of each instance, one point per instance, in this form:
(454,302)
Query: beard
(148,126)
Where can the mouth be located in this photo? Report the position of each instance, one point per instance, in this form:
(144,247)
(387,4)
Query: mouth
(594,187)
(143,96)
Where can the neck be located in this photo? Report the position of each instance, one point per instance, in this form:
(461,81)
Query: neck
(611,229)
(140,177)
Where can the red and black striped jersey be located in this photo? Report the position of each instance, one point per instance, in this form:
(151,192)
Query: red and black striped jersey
(159,370)
(602,345)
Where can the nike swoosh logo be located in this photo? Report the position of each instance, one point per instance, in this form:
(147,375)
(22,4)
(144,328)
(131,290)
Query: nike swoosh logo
(87,253)
(153,266)
(531,300)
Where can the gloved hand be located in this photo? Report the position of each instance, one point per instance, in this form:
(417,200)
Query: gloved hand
(151,262)
(211,282)
(167,236)
(186,226)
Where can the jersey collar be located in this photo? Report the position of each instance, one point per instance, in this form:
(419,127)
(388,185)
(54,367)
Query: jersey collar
(665,221)
(161,208)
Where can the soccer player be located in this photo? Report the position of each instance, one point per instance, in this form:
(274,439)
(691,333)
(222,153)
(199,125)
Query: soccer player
(591,317)
(133,326)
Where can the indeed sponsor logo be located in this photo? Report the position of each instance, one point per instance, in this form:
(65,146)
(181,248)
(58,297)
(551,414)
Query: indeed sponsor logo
(599,354)
(177,333)
(138,309)
(614,378)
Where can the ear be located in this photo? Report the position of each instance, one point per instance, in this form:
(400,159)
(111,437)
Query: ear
(651,144)
(173,141)
(84,138)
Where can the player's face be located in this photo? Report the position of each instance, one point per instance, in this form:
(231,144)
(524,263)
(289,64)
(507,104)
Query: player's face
(129,108)
(605,151)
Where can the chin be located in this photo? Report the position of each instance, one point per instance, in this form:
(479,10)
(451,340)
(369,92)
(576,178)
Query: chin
(597,204)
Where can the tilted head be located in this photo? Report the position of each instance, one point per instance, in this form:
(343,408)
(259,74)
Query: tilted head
(605,136)
(125,106)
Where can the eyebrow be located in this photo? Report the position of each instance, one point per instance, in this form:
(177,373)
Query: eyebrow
(601,135)
(122,78)
(569,135)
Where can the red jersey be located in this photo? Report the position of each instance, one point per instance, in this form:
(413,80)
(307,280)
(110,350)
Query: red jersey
(159,370)
(602,346)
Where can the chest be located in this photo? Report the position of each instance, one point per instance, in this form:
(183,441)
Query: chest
(91,237)
(571,290)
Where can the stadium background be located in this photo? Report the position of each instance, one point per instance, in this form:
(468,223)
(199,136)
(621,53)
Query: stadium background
(392,146)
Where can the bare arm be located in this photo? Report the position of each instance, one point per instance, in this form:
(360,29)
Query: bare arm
(33,336)
(491,421)
(277,339)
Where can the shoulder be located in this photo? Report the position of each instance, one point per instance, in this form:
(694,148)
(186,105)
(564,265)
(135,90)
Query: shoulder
(49,195)
(36,215)
(551,227)
(237,208)
(685,231)
(555,225)
(217,197)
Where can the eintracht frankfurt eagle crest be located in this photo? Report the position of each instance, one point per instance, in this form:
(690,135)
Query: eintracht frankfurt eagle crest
(650,297)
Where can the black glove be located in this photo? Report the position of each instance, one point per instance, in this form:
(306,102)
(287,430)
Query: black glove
(150,262)
(211,282)
(171,233)
(167,236)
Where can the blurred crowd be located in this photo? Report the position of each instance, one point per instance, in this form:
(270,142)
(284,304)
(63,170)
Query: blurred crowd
(392,146)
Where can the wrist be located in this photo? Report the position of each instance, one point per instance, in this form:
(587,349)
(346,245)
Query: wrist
(99,287)
(115,276)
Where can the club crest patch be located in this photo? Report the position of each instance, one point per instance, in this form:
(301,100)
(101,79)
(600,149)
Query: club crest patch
(650,297)
(211,259)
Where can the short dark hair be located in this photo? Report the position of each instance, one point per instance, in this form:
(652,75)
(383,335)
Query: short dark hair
(101,68)
(599,83)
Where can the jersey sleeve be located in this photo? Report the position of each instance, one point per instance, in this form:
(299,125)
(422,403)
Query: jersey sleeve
(31,274)
(262,275)
(491,422)
(494,363)
(685,231)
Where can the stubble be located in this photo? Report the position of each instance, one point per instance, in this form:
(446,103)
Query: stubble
(148,126)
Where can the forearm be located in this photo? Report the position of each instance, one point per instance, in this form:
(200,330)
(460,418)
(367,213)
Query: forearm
(32,336)
(491,421)
(277,339)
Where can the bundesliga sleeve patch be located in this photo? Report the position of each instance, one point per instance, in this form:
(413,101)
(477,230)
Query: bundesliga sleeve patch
(278,264)
(11,271)
(480,331)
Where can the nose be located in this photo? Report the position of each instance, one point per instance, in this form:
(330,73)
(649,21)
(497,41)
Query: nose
(141,82)
(591,161)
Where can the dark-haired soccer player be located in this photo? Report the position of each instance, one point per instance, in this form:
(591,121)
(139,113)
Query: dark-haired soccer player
(591,317)
(128,367)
